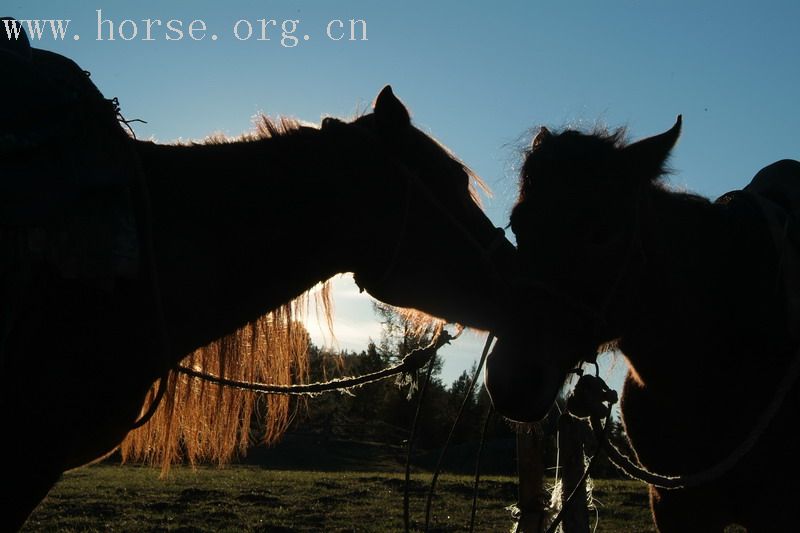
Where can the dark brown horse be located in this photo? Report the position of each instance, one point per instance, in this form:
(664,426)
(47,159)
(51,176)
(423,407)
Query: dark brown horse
(239,230)
(691,293)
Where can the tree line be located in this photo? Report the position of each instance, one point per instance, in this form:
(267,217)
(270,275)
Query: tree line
(383,412)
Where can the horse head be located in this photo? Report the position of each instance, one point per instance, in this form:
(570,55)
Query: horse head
(433,248)
(578,223)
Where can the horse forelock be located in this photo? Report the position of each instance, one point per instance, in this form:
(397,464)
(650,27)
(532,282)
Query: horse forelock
(571,152)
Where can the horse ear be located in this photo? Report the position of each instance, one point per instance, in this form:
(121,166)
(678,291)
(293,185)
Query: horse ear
(541,137)
(649,155)
(389,111)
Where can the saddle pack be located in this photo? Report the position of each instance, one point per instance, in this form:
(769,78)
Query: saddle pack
(66,164)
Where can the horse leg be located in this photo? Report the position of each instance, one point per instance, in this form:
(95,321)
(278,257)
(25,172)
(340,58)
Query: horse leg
(685,511)
(21,491)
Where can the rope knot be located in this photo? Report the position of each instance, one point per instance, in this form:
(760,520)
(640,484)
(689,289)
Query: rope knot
(417,358)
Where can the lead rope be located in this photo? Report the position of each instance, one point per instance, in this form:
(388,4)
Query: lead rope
(410,363)
(484,431)
(588,399)
(779,232)
(437,470)
(639,472)
(565,505)
(591,393)
(410,448)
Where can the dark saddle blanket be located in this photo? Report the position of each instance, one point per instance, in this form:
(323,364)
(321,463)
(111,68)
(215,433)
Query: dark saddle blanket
(66,165)
(776,191)
(780,184)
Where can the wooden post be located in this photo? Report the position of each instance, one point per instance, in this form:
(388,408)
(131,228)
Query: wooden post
(571,433)
(532,495)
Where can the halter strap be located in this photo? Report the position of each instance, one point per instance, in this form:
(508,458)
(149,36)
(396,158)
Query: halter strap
(486,252)
(597,314)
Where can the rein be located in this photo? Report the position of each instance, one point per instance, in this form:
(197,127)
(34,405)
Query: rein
(672,482)
(595,396)
(632,467)
(790,377)
(412,362)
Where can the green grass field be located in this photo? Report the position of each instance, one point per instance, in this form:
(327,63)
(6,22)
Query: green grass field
(249,498)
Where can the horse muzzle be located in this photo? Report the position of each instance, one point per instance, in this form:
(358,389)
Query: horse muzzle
(521,387)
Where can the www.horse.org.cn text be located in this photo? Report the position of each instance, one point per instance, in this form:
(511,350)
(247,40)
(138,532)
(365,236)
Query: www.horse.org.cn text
(284,32)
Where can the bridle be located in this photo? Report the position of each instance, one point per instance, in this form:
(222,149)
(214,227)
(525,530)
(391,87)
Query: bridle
(414,184)
(596,315)
(486,252)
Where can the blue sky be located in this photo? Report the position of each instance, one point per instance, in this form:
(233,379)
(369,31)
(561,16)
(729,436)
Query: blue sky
(480,76)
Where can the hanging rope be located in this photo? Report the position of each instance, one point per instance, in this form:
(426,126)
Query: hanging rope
(484,431)
(567,504)
(437,470)
(410,448)
(589,399)
(672,482)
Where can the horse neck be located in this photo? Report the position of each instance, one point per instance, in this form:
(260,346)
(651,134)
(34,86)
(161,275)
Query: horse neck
(241,228)
(705,296)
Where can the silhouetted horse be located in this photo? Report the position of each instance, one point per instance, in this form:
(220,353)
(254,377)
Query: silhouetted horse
(691,293)
(239,230)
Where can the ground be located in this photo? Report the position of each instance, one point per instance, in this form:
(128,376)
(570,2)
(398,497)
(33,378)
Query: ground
(251,498)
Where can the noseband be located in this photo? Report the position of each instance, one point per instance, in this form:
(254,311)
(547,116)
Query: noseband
(486,251)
